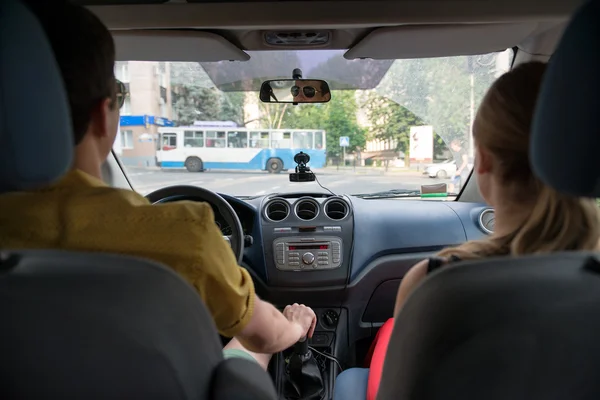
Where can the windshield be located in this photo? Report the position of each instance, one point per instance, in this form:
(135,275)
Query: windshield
(387,123)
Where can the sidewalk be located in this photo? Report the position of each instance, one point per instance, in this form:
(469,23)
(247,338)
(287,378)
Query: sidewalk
(370,170)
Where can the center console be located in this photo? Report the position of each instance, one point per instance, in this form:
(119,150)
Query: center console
(308,240)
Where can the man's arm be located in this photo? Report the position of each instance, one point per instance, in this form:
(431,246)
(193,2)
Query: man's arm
(269,331)
(207,262)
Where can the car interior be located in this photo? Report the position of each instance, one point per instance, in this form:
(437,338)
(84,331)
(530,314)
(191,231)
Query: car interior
(78,325)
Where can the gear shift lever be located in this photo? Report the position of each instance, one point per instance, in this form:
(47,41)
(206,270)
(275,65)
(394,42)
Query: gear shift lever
(301,346)
(303,380)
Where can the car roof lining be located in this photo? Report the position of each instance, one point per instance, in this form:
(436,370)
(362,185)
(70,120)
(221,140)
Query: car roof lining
(369,29)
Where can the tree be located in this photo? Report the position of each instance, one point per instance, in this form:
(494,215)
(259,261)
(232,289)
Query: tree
(438,91)
(196,97)
(390,121)
(340,120)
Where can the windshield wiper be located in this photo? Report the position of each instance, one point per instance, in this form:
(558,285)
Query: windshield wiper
(394,193)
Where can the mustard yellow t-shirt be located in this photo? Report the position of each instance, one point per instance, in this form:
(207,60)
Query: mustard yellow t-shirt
(82,213)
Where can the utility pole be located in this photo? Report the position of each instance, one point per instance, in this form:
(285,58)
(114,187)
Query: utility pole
(472,117)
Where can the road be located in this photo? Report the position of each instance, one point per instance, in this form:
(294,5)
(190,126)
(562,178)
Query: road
(250,183)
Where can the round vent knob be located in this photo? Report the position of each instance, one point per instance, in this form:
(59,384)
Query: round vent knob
(277,210)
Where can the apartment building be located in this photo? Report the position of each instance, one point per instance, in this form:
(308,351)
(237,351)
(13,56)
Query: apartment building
(148,107)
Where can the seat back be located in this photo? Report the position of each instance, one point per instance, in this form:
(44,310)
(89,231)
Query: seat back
(101,326)
(35,124)
(518,329)
(85,325)
(527,327)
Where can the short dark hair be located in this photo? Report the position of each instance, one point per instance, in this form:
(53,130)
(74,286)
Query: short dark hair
(85,52)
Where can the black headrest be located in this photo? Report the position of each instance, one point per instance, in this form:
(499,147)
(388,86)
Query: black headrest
(498,329)
(566,128)
(36,139)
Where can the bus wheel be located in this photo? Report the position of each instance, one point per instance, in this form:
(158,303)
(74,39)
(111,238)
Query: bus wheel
(194,164)
(274,165)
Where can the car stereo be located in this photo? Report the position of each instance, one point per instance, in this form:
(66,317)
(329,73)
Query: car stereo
(307,254)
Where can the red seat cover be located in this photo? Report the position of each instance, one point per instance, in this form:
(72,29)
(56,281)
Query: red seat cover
(379,348)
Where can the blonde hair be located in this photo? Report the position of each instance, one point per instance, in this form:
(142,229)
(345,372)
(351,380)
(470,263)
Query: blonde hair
(558,222)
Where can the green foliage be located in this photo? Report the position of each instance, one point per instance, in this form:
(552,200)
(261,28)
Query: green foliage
(196,98)
(438,91)
(390,121)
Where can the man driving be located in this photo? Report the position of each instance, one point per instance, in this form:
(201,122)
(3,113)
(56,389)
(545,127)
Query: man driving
(82,213)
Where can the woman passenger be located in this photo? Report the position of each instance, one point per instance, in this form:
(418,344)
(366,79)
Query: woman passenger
(531,217)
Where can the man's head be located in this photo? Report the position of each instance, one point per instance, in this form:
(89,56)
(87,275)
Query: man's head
(455,145)
(85,52)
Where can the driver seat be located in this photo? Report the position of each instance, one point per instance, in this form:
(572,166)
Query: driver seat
(83,325)
(518,328)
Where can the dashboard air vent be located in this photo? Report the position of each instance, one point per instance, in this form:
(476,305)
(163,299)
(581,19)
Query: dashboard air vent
(336,209)
(487,220)
(277,210)
(306,209)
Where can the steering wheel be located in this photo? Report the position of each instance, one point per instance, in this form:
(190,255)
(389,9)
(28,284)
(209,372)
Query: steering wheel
(194,193)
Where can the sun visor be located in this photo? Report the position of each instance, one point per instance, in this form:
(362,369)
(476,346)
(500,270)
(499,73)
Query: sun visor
(329,65)
(160,45)
(401,42)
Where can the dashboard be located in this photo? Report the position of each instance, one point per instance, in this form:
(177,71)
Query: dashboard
(344,255)
(357,230)
(245,214)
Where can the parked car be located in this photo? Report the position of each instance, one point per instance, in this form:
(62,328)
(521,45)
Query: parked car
(443,170)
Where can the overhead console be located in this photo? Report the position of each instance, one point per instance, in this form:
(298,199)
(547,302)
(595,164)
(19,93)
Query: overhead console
(307,239)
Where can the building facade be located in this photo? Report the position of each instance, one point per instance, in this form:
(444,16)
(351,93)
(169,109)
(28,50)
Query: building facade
(148,107)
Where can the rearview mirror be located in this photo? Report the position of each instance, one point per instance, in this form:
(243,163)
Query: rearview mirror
(296,91)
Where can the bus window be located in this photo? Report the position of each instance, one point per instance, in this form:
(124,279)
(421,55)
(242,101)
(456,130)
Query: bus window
(237,140)
(193,139)
(303,140)
(169,141)
(259,140)
(215,139)
(319,140)
(281,140)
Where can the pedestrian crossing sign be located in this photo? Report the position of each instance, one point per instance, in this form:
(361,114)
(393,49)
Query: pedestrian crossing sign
(344,141)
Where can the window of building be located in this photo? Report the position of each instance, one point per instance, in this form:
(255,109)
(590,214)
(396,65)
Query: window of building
(126,109)
(122,71)
(237,140)
(193,139)
(127,139)
(215,139)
